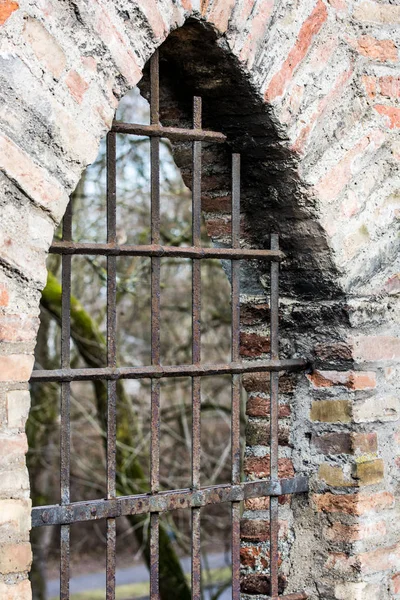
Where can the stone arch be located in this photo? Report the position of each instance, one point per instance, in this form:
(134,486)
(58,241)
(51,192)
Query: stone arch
(329,163)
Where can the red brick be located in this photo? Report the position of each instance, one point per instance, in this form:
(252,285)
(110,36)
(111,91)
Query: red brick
(333,351)
(217,228)
(250,314)
(353,504)
(253,344)
(7,7)
(353,380)
(308,31)
(249,555)
(395,583)
(259,584)
(380,50)
(260,467)
(77,85)
(391,112)
(259,383)
(257,530)
(4,296)
(216,204)
(263,503)
(260,407)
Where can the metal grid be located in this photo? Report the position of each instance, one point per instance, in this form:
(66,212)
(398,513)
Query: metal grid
(194,498)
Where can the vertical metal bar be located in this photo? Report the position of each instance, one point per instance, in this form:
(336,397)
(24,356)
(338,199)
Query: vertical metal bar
(196,351)
(65,441)
(155,326)
(111,361)
(235,418)
(274,448)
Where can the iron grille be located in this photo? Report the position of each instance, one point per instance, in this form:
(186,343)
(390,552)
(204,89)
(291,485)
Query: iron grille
(156,501)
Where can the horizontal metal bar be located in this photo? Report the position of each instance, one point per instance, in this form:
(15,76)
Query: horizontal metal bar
(171,133)
(59,247)
(155,371)
(164,501)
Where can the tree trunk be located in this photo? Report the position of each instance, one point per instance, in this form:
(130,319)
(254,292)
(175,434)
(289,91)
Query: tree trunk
(91,346)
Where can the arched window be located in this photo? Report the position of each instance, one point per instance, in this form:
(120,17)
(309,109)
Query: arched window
(151,361)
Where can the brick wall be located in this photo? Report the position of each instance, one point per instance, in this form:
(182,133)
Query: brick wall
(315,86)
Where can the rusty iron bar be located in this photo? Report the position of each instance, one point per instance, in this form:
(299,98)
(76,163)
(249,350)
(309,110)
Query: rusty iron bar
(235,388)
(155,250)
(65,434)
(111,362)
(196,350)
(94,510)
(176,134)
(155,324)
(274,408)
(159,371)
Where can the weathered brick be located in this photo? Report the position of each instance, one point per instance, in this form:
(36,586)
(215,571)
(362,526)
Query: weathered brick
(381,559)
(15,558)
(333,443)
(249,555)
(263,503)
(308,31)
(391,112)
(372,348)
(370,472)
(381,408)
(380,50)
(259,584)
(352,380)
(331,411)
(46,48)
(18,328)
(18,404)
(7,7)
(12,450)
(340,532)
(260,407)
(334,476)
(19,590)
(15,520)
(260,467)
(377,12)
(252,314)
(259,383)
(259,434)
(16,367)
(77,85)
(33,179)
(253,344)
(257,530)
(364,443)
(333,351)
(359,590)
(395,583)
(353,504)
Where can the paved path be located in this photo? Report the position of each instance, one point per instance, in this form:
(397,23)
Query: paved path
(135,574)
